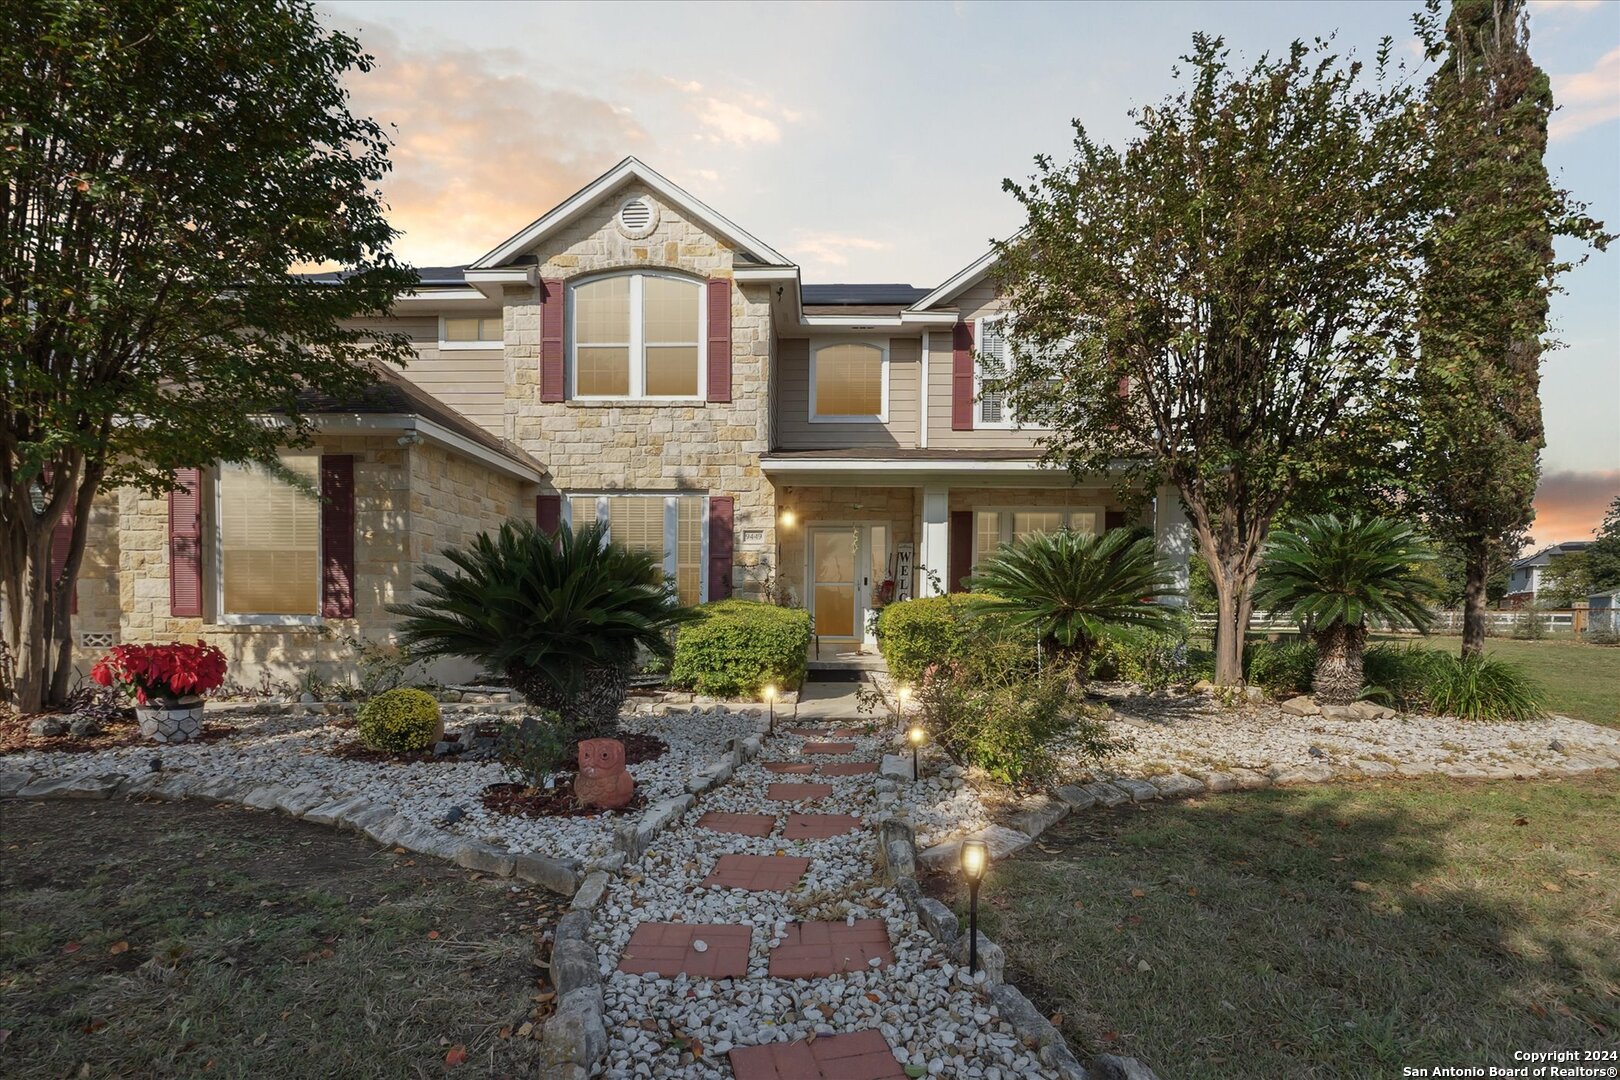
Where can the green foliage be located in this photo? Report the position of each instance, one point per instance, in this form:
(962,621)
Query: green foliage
(1282,668)
(1531,625)
(165,167)
(535,748)
(738,646)
(1603,557)
(1567,580)
(1250,243)
(1153,659)
(1397,674)
(1330,571)
(913,635)
(562,617)
(1067,586)
(402,721)
(1480,688)
(378,667)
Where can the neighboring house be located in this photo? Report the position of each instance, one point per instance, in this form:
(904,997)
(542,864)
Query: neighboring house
(1526,576)
(635,358)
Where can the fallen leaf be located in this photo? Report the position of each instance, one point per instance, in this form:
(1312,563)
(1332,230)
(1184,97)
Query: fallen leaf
(1552,886)
(1056,1019)
(263,1035)
(433,935)
(72,947)
(1192,892)
(504,1033)
(119,947)
(1110,1036)
(456,1055)
(873,998)
(916,1071)
(1137,894)
(95,1025)
(1079,905)
(1361,886)
(1521,821)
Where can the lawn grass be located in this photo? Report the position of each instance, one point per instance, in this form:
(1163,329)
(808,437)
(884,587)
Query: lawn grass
(1579,680)
(156,939)
(1324,932)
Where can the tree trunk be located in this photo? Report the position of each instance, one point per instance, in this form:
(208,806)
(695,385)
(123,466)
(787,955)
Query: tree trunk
(1477,570)
(1338,664)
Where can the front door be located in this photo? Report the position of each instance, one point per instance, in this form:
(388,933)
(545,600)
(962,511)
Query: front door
(848,564)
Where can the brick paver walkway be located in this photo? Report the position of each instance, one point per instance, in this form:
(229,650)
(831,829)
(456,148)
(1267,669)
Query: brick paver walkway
(757,873)
(789,766)
(848,768)
(819,826)
(741,824)
(815,950)
(668,949)
(860,1055)
(828,748)
(797,792)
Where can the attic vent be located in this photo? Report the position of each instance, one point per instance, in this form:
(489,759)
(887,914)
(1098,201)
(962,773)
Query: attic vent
(637,217)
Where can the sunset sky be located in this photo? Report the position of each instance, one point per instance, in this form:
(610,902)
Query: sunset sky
(869,141)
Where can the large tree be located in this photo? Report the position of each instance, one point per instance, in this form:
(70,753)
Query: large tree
(1603,557)
(1489,271)
(1224,304)
(165,166)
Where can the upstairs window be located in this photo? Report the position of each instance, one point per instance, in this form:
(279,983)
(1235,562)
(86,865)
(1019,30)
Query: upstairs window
(638,336)
(470,332)
(994,363)
(849,382)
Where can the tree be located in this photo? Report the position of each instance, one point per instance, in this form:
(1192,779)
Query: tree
(1335,574)
(164,167)
(1223,305)
(1567,579)
(1067,586)
(1489,268)
(1603,557)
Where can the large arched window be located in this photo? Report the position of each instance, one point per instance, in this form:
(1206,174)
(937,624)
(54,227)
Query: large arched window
(849,381)
(637,335)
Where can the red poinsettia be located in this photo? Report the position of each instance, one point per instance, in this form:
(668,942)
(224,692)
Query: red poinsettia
(162,671)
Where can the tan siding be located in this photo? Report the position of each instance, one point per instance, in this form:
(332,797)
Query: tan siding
(977,301)
(471,381)
(794,431)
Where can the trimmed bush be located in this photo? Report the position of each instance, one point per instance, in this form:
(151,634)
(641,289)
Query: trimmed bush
(401,721)
(1153,659)
(534,749)
(914,635)
(1282,668)
(1480,688)
(735,647)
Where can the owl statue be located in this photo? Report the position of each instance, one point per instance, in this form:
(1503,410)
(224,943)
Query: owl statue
(603,780)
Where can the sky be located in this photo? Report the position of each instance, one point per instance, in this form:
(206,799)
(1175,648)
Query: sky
(868,142)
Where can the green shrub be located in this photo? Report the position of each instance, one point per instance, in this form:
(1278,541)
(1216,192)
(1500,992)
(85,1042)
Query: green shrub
(1282,668)
(1153,659)
(913,635)
(1480,688)
(401,721)
(534,749)
(737,646)
(1397,675)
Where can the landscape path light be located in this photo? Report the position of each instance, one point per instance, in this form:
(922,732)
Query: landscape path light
(916,737)
(902,695)
(975,861)
(770,703)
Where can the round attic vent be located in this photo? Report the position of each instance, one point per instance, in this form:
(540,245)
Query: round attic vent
(637,217)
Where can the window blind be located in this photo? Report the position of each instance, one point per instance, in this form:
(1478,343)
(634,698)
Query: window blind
(269,540)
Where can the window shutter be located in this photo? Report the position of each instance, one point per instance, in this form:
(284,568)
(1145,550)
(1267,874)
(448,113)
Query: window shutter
(721,509)
(962,377)
(1115,519)
(959,554)
(552,378)
(547,513)
(185,544)
(61,542)
(719,339)
(337,536)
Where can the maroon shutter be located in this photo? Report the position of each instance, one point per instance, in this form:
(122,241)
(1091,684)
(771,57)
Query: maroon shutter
(185,544)
(719,339)
(552,378)
(1114,519)
(547,513)
(962,377)
(720,546)
(61,542)
(337,536)
(959,554)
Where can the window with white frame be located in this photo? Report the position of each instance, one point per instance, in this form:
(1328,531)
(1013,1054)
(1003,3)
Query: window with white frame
(637,335)
(668,527)
(470,332)
(849,382)
(995,361)
(992,528)
(268,542)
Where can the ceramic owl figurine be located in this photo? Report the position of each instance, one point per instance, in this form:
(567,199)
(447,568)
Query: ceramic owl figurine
(602,779)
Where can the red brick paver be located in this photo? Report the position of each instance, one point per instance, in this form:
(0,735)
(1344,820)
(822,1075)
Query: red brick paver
(814,950)
(827,748)
(860,1055)
(807,732)
(666,949)
(797,792)
(819,826)
(741,824)
(757,873)
(790,766)
(848,768)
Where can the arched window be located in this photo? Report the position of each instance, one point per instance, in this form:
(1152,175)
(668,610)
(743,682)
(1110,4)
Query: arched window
(637,335)
(849,381)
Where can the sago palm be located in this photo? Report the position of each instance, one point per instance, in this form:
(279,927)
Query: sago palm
(562,617)
(1067,586)
(1336,574)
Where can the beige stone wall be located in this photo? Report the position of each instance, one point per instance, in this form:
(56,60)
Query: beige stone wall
(711,447)
(897,507)
(409,503)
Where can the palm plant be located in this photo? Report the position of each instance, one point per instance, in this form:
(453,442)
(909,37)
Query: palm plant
(1067,586)
(562,617)
(1334,575)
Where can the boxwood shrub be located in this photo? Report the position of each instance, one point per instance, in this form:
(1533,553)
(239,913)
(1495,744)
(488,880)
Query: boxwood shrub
(735,647)
(401,721)
(915,634)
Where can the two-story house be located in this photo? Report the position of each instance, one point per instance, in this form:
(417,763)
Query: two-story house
(636,358)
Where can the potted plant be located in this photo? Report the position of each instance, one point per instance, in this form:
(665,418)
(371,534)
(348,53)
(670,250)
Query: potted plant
(168,682)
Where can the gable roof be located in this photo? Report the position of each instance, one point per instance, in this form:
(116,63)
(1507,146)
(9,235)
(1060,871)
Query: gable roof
(1546,555)
(964,279)
(629,169)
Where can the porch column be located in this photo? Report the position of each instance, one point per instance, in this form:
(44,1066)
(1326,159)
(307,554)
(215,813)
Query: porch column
(933,554)
(1173,537)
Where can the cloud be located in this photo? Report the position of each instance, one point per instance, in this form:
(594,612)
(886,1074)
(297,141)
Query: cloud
(478,154)
(728,122)
(1588,98)
(1565,5)
(1571,505)
(824,249)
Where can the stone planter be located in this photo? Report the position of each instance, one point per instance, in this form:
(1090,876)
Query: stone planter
(171,721)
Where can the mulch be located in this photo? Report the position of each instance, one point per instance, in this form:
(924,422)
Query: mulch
(519,800)
(15,739)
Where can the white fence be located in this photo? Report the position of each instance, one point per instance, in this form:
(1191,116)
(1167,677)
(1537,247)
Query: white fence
(1450,621)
